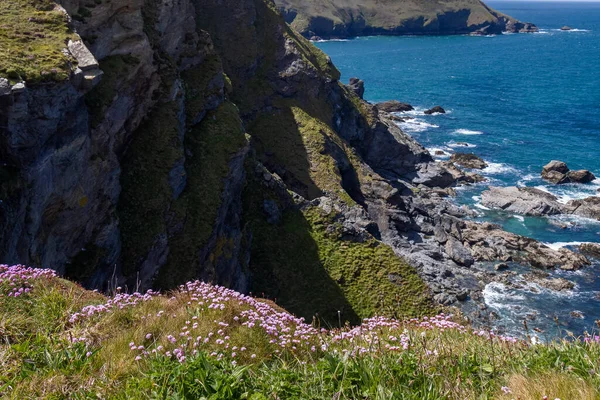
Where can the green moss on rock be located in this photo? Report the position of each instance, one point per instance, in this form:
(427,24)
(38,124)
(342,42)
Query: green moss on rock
(210,145)
(33,34)
(146,193)
(304,264)
(102,96)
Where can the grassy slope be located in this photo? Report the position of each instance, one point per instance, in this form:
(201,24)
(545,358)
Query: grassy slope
(46,353)
(386,14)
(33,34)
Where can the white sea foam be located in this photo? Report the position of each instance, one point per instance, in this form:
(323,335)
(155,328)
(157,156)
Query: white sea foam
(571,30)
(434,150)
(496,294)
(330,40)
(519,217)
(467,132)
(560,245)
(527,178)
(461,145)
(416,125)
(481,206)
(499,168)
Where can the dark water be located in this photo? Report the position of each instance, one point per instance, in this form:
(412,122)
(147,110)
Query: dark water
(519,101)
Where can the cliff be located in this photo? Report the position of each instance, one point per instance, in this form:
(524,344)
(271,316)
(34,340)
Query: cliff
(351,18)
(148,143)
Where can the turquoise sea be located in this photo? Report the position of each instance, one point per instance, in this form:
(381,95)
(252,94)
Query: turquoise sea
(519,101)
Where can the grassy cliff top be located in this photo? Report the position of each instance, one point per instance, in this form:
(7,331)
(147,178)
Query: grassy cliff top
(387,15)
(60,341)
(33,35)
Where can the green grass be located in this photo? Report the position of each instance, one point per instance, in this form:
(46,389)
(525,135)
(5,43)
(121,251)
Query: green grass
(146,194)
(33,34)
(210,145)
(39,357)
(310,269)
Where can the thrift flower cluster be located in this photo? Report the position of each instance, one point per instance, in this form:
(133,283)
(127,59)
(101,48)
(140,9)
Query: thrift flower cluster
(118,301)
(17,280)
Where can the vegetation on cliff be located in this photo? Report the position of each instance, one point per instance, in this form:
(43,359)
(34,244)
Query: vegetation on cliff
(33,35)
(58,340)
(347,18)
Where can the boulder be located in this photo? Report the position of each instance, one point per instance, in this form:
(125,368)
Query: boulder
(555,172)
(435,110)
(394,106)
(468,160)
(357,86)
(459,253)
(590,249)
(501,267)
(525,201)
(581,176)
(588,207)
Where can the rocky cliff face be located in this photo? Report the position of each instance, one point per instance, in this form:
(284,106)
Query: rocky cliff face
(349,18)
(207,139)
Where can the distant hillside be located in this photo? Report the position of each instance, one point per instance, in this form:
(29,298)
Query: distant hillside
(348,18)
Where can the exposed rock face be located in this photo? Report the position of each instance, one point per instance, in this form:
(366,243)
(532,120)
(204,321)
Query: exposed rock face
(591,249)
(525,201)
(394,106)
(468,160)
(435,110)
(346,18)
(581,176)
(557,172)
(357,86)
(535,202)
(145,176)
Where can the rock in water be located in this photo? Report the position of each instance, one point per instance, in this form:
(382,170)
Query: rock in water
(555,172)
(588,207)
(566,28)
(501,267)
(434,110)
(525,201)
(468,160)
(394,106)
(357,86)
(581,176)
(590,249)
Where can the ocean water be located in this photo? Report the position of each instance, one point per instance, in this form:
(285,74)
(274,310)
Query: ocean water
(518,101)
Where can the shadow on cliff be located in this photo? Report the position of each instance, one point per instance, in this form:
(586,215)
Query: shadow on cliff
(285,263)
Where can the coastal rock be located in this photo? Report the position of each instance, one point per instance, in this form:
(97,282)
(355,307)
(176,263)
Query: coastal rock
(501,267)
(524,200)
(566,28)
(458,253)
(543,279)
(588,207)
(468,160)
(591,249)
(581,176)
(394,106)
(557,172)
(357,86)
(435,110)
(348,18)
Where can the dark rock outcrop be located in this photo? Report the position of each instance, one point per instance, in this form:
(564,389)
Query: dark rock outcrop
(591,249)
(468,160)
(557,172)
(346,18)
(357,86)
(435,110)
(394,106)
